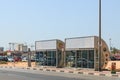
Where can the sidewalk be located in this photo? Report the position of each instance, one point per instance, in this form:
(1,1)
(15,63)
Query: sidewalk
(64,70)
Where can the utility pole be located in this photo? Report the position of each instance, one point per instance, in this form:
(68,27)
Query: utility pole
(100,69)
(110,45)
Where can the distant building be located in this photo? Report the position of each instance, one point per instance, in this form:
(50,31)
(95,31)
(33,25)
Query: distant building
(21,47)
(1,49)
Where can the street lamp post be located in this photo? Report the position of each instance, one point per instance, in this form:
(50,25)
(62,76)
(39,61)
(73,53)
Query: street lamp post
(100,36)
(110,45)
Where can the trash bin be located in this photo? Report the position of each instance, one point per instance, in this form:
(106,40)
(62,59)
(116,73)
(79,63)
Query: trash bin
(113,68)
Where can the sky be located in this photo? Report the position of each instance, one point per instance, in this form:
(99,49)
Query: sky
(27,21)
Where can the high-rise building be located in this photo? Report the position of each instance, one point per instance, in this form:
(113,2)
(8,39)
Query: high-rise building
(21,47)
(1,49)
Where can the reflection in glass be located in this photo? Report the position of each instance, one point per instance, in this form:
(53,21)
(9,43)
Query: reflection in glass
(46,58)
(80,58)
(70,58)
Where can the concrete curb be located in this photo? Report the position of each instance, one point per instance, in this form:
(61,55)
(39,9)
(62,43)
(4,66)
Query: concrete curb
(65,71)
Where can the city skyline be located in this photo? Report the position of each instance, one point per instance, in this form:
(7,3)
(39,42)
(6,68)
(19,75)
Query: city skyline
(27,21)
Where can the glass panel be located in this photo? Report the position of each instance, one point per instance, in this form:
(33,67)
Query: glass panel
(79,56)
(39,58)
(83,60)
(46,58)
(91,59)
(51,58)
(70,58)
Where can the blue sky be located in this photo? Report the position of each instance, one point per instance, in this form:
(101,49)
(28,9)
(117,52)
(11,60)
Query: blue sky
(27,21)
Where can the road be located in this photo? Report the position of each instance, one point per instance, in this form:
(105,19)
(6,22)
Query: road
(20,74)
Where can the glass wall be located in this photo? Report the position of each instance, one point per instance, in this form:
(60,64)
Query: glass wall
(70,58)
(46,58)
(80,58)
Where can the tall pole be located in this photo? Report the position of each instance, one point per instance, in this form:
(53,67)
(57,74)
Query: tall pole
(110,44)
(100,35)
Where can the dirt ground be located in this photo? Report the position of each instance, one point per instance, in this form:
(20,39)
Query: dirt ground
(18,64)
(25,64)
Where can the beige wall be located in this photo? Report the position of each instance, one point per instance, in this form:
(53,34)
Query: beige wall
(105,52)
(108,66)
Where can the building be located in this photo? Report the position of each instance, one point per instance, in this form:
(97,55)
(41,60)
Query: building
(1,49)
(21,47)
(82,52)
(2,53)
(49,53)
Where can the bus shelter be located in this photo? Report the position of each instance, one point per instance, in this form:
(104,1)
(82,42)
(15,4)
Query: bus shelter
(49,53)
(82,52)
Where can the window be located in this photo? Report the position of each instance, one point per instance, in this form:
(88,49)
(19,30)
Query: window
(70,58)
(80,58)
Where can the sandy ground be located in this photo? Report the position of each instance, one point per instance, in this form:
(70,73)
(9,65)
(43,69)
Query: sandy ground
(25,64)
(19,64)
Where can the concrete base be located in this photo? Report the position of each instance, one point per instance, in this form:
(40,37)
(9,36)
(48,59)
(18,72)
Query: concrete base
(110,63)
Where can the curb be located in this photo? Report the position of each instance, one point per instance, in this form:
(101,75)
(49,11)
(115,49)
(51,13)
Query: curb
(65,71)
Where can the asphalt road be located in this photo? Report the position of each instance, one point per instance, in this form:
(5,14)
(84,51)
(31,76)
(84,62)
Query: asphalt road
(19,74)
